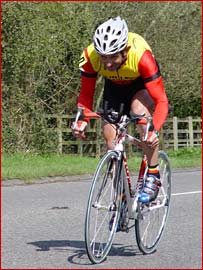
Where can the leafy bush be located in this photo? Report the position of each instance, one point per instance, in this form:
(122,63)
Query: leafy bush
(42,42)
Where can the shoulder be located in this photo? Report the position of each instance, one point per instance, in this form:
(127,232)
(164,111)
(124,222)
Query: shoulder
(88,55)
(138,44)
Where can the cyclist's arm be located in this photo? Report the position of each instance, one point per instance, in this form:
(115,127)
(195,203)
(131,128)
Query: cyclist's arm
(86,95)
(85,100)
(149,71)
(87,88)
(88,83)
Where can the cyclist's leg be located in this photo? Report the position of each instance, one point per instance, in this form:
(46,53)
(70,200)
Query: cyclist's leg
(143,103)
(109,135)
(113,95)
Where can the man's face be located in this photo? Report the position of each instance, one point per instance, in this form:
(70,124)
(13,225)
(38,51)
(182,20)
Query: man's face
(112,62)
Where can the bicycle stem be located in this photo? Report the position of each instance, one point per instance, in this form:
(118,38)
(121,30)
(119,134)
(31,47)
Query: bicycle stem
(123,126)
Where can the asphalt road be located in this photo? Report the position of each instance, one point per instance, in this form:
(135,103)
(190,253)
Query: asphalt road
(43,227)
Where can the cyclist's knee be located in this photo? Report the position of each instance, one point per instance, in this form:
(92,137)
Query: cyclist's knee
(142,103)
(109,145)
(109,135)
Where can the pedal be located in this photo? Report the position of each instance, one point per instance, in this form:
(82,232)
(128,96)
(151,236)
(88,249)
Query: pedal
(124,228)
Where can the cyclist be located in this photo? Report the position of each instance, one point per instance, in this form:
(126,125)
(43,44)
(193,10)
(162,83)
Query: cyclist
(132,77)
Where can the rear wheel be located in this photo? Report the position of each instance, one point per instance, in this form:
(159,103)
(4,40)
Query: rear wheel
(151,218)
(103,208)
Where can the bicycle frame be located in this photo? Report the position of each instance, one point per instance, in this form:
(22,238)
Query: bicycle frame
(119,142)
(132,199)
(104,213)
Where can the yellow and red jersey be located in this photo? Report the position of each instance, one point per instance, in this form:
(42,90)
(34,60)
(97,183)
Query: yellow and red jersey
(139,63)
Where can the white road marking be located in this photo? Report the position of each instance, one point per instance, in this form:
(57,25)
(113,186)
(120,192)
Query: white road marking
(186,193)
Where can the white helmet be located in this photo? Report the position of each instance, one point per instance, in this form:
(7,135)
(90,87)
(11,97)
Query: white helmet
(111,37)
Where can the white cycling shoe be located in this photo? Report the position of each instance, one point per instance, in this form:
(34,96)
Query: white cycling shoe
(150,189)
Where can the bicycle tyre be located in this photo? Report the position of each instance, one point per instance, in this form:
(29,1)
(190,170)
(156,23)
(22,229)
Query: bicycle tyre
(103,208)
(151,218)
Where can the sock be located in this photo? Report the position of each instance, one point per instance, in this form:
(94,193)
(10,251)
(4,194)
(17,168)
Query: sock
(154,170)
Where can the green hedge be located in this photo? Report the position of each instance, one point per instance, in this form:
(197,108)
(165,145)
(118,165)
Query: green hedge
(42,43)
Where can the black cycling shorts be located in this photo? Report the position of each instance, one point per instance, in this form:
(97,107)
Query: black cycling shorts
(115,94)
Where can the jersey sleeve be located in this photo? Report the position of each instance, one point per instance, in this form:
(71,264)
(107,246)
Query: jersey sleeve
(88,82)
(150,73)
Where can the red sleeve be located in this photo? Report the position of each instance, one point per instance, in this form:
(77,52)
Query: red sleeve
(88,83)
(87,89)
(157,92)
(149,71)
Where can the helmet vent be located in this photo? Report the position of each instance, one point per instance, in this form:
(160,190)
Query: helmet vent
(98,42)
(111,36)
(108,29)
(113,42)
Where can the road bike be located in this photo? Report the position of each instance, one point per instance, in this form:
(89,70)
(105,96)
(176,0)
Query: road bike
(113,204)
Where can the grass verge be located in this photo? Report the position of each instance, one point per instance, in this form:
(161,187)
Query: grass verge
(33,166)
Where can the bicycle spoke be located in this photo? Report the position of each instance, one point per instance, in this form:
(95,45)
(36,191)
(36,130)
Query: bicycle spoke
(97,230)
(151,218)
(93,242)
(103,210)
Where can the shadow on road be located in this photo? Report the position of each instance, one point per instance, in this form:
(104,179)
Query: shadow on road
(47,245)
(78,250)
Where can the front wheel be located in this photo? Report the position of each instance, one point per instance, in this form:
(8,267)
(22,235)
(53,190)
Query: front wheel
(151,218)
(103,208)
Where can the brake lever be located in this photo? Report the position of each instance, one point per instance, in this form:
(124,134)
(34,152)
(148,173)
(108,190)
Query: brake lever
(147,128)
(79,115)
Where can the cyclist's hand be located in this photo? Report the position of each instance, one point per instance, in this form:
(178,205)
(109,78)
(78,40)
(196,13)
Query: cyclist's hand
(153,139)
(78,129)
